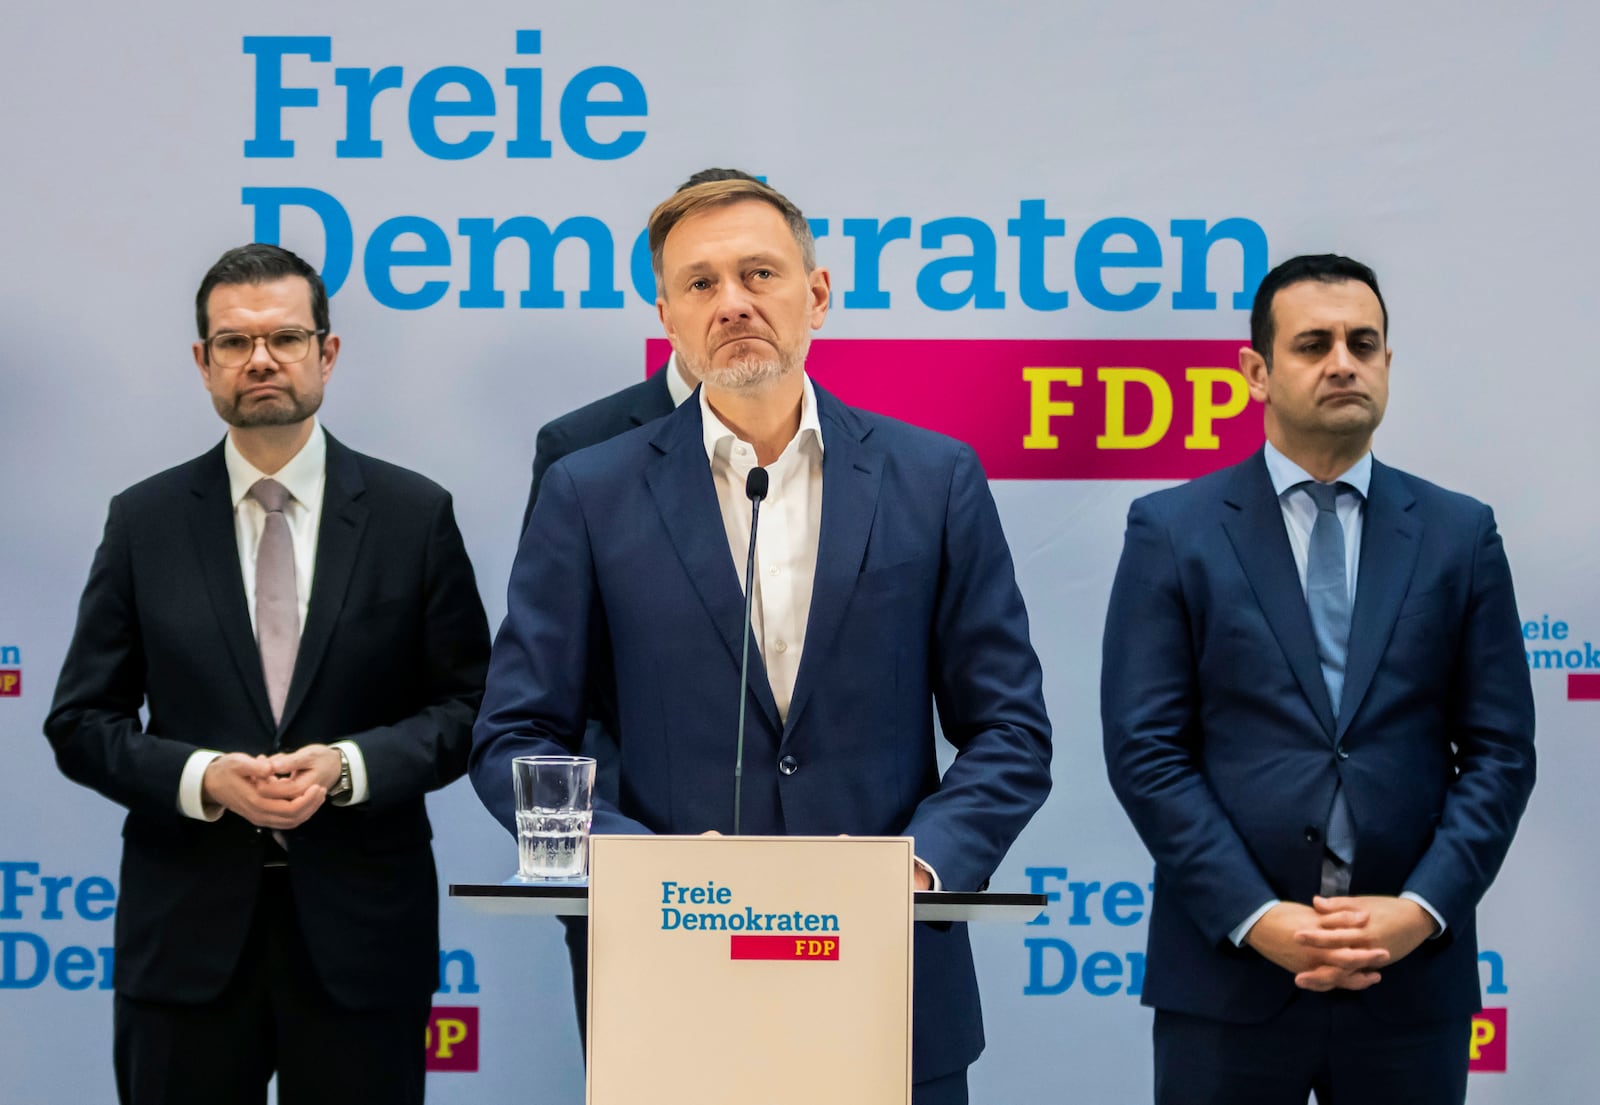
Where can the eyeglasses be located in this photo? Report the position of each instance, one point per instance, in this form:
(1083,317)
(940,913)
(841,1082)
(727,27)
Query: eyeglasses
(287,346)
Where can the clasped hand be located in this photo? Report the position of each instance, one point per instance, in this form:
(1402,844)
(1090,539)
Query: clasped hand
(272,792)
(1340,943)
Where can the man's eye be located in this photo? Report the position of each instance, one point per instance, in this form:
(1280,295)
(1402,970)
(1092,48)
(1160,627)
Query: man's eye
(762,274)
(230,343)
(699,285)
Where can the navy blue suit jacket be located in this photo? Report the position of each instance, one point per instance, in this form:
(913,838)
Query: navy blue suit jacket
(1223,747)
(915,604)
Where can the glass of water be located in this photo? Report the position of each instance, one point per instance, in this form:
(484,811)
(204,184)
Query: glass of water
(555,803)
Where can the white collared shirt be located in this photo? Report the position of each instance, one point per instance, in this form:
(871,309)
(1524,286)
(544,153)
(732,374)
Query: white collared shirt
(786,542)
(678,388)
(304,477)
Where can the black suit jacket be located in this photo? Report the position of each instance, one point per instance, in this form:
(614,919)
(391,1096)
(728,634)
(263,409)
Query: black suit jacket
(595,422)
(392,656)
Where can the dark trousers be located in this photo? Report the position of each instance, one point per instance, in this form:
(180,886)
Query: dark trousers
(1330,1045)
(273,1016)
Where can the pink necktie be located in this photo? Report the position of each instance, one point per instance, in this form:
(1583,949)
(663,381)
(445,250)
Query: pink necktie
(277,604)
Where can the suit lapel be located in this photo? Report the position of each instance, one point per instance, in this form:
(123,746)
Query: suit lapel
(1260,540)
(852,474)
(655,400)
(212,530)
(1391,537)
(686,496)
(344,521)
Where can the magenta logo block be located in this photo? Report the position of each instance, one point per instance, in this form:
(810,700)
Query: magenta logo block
(1487,1053)
(452,1039)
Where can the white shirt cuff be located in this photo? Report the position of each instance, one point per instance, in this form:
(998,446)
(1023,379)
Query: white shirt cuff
(358,774)
(1423,902)
(1238,934)
(191,802)
(932,874)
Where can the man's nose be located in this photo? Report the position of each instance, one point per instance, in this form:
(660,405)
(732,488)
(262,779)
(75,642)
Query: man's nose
(260,360)
(733,301)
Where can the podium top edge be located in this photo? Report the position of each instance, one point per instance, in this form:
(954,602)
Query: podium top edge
(579,891)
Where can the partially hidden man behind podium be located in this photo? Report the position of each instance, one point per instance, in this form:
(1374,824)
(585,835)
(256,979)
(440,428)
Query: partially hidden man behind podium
(302,625)
(883,587)
(1318,717)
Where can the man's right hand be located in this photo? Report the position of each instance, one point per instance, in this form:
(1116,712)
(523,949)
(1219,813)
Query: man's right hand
(1277,937)
(246,785)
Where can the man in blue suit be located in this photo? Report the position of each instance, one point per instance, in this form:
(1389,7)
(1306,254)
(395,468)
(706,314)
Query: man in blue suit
(883,587)
(1318,717)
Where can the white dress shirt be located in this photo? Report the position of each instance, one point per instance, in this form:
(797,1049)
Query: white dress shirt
(786,543)
(1299,516)
(304,478)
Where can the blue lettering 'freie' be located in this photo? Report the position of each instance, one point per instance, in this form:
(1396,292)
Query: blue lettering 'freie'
(1094,256)
(271,96)
(428,106)
(361,88)
(579,105)
(981,290)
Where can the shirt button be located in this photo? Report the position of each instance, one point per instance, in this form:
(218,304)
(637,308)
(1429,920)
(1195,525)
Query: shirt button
(1312,835)
(782,646)
(772,571)
(788,765)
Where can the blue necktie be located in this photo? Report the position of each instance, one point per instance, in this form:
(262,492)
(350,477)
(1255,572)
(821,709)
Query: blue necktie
(1328,596)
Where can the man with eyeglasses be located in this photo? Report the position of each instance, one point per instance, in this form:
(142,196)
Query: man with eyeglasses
(301,625)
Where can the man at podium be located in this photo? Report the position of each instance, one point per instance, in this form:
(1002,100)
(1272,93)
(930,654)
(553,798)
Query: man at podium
(882,588)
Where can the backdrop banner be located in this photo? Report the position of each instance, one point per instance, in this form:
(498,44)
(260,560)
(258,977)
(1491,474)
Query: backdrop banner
(1045,223)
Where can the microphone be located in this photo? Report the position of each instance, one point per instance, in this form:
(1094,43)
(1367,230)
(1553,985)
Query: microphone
(755,488)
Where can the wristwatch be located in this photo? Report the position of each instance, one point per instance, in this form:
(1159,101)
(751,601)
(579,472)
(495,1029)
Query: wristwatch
(342,787)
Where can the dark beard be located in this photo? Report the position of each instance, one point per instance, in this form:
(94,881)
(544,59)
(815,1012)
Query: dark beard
(275,413)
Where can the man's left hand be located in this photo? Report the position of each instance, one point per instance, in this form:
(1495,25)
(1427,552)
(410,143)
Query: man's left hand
(309,764)
(1397,925)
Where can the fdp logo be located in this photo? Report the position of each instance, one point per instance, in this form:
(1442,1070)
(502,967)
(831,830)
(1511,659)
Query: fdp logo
(1487,1051)
(10,671)
(452,1038)
(1053,410)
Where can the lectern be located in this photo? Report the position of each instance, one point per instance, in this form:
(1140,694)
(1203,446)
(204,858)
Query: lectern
(773,970)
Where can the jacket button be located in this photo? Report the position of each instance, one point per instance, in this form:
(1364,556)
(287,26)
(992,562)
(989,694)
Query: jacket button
(1341,753)
(1312,835)
(788,765)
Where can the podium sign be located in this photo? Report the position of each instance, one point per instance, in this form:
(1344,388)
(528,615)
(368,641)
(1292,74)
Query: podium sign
(750,970)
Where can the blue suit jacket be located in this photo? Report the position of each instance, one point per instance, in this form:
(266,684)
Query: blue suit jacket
(1223,747)
(914,603)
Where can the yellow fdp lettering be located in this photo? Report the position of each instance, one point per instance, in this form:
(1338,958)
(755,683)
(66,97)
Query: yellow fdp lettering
(828,946)
(9,681)
(1207,410)
(1116,381)
(451,1033)
(1042,408)
(1482,1037)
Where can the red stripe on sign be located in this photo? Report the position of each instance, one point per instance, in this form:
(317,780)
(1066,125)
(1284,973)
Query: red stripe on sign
(1053,410)
(783,947)
(1583,688)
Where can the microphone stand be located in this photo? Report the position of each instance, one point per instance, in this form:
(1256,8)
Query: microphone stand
(755,487)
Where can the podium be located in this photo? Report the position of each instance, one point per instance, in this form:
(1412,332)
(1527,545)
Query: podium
(740,969)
